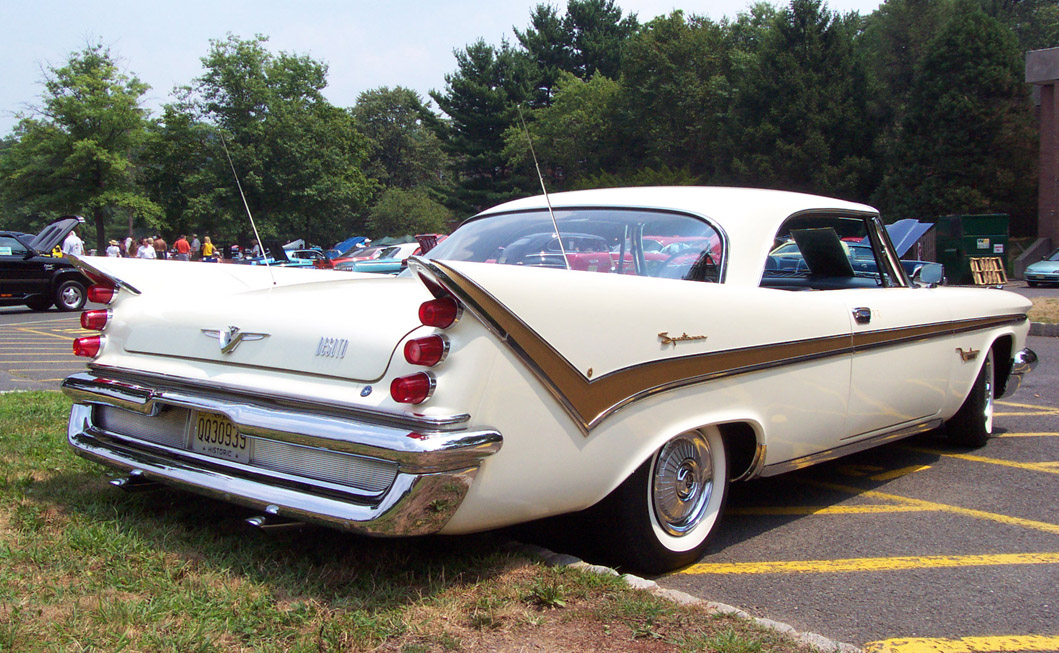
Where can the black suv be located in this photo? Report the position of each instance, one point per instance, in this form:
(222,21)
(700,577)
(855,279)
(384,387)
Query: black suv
(30,275)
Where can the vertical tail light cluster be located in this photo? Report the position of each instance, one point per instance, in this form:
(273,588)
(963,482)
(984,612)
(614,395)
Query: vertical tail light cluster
(95,320)
(428,351)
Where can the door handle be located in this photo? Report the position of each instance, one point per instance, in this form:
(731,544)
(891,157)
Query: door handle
(862,315)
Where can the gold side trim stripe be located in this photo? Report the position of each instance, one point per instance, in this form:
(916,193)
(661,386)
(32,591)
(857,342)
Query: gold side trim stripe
(589,401)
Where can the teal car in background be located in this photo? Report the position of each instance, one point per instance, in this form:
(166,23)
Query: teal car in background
(1044,271)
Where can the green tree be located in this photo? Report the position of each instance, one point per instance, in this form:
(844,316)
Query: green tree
(802,116)
(480,101)
(402,212)
(573,137)
(181,169)
(676,96)
(299,159)
(80,153)
(585,41)
(405,150)
(1034,22)
(966,143)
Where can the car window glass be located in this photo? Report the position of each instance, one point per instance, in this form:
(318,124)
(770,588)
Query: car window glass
(826,252)
(617,241)
(11,247)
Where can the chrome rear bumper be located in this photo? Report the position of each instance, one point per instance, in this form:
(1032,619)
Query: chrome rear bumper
(414,478)
(1024,362)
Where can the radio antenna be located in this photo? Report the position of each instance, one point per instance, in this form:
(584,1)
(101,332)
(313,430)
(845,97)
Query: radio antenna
(547,199)
(264,254)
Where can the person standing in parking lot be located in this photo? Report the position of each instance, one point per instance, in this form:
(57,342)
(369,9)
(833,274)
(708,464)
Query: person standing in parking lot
(209,252)
(183,249)
(146,249)
(160,248)
(73,245)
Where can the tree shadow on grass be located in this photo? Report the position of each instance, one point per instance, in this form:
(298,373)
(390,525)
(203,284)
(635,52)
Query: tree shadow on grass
(313,563)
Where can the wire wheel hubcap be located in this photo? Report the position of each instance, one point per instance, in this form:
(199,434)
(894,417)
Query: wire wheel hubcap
(682,483)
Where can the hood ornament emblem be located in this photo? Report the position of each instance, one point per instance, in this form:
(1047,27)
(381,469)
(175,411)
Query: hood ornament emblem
(230,338)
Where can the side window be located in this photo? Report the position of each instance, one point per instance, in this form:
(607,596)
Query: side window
(11,247)
(827,252)
(610,240)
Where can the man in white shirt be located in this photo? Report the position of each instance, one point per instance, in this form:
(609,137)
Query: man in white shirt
(73,245)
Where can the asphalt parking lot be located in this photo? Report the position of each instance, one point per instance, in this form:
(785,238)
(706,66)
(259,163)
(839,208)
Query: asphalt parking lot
(36,348)
(916,546)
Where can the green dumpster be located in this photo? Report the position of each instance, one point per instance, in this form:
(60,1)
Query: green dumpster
(961,238)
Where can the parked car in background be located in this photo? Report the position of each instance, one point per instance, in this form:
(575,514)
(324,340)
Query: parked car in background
(1044,271)
(500,381)
(388,260)
(277,255)
(350,256)
(31,275)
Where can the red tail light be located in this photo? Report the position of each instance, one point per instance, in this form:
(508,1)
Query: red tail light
(412,389)
(95,320)
(428,351)
(101,294)
(88,347)
(440,313)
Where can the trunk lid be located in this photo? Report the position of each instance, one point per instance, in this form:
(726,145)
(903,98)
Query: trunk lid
(347,328)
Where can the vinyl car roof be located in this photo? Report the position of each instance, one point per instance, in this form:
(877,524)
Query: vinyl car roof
(749,217)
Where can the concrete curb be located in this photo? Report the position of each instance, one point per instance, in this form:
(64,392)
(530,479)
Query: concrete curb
(819,642)
(1044,329)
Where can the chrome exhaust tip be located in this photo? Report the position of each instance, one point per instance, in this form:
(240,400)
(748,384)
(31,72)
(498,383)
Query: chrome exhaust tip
(271,522)
(135,482)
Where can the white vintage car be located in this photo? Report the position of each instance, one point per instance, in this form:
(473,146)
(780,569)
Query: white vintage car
(626,350)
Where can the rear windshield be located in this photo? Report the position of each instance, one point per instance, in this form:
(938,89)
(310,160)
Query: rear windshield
(616,241)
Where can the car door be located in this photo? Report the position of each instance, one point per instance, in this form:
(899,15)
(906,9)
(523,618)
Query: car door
(20,273)
(902,358)
(902,348)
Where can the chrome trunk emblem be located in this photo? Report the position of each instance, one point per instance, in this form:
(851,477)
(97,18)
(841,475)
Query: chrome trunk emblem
(230,338)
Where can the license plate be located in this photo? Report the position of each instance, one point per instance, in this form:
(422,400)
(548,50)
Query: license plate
(216,435)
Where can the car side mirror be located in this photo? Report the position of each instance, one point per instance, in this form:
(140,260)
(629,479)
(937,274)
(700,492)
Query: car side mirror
(931,274)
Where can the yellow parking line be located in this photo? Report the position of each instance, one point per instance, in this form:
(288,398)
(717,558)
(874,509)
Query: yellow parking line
(823,510)
(1027,435)
(41,369)
(898,473)
(45,333)
(942,507)
(1037,413)
(872,564)
(991,644)
(1035,467)
(1018,405)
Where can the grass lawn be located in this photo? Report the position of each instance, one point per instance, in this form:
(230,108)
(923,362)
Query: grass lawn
(1045,309)
(84,566)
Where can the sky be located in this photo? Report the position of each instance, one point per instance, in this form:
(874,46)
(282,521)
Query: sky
(365,43)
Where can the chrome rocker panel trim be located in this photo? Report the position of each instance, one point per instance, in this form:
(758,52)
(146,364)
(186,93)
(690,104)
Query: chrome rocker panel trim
(434,469)
(850,448)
